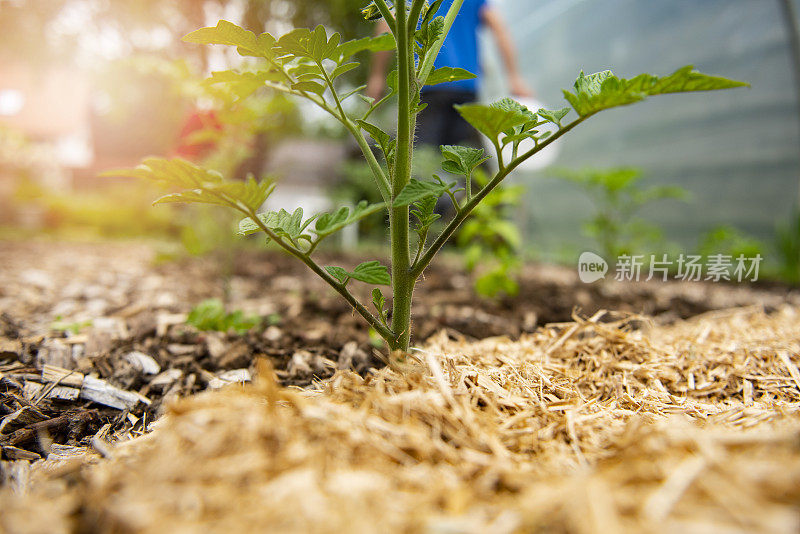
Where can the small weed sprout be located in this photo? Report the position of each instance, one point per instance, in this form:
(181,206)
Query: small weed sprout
(210,315)
(309,64)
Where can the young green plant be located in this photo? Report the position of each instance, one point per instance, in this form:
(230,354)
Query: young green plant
(618,196)
(310,64)
(491,242)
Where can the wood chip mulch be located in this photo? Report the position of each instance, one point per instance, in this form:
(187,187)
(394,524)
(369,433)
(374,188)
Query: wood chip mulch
(600,424)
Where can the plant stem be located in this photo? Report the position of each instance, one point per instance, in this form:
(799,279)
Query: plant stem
(427,64)
(383,7)
(402,282)
(413,16)
(373,321)
(377,171)
(376,105)
(499,152)
(329,82)
(452,226)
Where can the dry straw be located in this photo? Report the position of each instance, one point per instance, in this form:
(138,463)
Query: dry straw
(605,424)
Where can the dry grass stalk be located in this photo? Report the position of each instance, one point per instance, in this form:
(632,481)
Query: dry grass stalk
(586,427)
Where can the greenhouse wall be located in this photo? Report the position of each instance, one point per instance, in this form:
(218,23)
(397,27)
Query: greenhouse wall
(737,152)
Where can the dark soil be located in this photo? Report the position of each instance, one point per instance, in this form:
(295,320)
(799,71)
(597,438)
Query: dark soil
(119,302)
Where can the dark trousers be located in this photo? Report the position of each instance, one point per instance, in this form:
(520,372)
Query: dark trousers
(440,124)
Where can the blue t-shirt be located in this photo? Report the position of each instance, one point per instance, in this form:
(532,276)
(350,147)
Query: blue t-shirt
(460,48)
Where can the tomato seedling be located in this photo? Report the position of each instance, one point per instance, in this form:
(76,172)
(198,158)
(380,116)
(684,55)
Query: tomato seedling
(308,63)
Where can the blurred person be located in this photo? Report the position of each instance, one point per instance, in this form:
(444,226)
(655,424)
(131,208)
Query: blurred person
(191,148)
(439,123)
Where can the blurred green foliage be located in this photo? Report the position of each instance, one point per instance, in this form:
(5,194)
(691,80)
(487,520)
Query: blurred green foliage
(729,241)
(491,242)
(355,183)
(59,325)
(619,196)
(117,211)
(334,14)
(210,315)
(787,243)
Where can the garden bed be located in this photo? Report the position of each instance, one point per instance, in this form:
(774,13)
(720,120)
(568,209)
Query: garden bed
(73,314)
(600,421)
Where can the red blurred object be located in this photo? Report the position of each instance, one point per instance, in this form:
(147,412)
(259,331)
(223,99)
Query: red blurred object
(198,121)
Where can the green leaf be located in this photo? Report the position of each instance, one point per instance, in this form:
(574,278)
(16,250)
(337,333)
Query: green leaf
(448,74)
(311,44)
(429,11)
(227,33)
(309,87)
(372,44)
(494,119)
(371,12)
(310,77)
(423,212)
(427,34)
(603,90)
(337,272)
(378,300)
(417,190)
(462,160)
(383,139)
(200,185)
(512,106)
(553,116)
(250,192)
(196,196)
(342,69)
(284,224)
(423,209)
(247,226)
(592,84)
(307,71)
(242,84)
(172,173)
(329,223)
(372,272)
(392,80)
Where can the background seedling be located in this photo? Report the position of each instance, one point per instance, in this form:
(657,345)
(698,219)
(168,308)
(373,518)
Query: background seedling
(619,197)
(210,315)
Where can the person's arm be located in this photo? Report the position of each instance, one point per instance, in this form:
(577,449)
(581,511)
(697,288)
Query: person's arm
(494,21)
(376,82)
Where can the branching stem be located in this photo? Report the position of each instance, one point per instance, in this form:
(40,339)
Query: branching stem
(340,288)
(427,64)
(383,7)
(329,83)
(452,226)
(402,281)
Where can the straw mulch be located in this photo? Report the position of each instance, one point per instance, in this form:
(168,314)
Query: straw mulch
(591,426)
